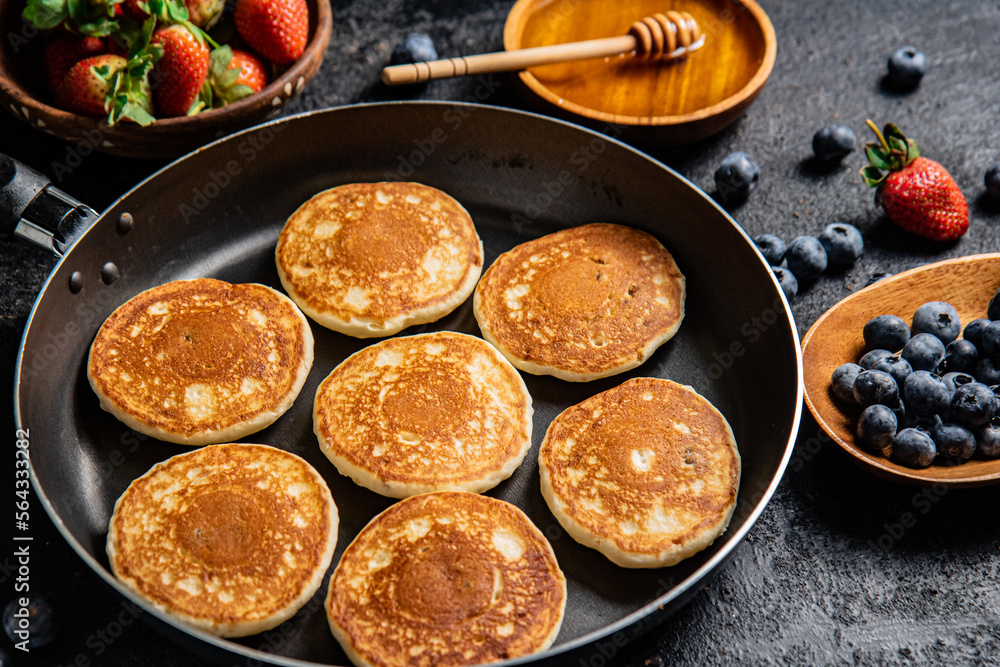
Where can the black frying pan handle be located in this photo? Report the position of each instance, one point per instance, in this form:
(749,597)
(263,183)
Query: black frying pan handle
(33,209)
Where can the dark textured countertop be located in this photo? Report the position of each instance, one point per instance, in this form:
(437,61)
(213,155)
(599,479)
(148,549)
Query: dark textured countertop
(841,568)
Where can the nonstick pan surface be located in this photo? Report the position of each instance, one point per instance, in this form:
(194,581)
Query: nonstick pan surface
(217,213)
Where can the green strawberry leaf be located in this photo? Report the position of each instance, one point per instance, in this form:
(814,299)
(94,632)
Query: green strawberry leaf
(137,113)
(872,176)
(46,14)
(877,156)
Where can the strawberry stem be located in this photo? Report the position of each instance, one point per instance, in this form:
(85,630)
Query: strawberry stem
(878,134)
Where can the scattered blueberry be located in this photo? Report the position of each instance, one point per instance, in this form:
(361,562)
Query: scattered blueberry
(833,143)
(914,447)
(991,340)
(38,627)
(876,428)
(842,381)
(924,351)
(888,332)
(974,332)
(925,393)
(772,247)
(954,442)
(973,404)
(872,357)
(842,242)
(789,285)
(907,67)
(416,47)
(988,371)
(895,366)
(939,318)
(992,180)
(736,177)
(988,439)
(806,257)
(960,356)
(871,387)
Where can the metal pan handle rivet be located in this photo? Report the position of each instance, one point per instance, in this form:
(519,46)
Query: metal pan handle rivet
(76,282)
(109,273)
(125,223)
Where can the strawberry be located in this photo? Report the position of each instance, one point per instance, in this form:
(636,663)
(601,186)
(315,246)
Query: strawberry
(205,13)
(84,89)
(918,194)
(181,72)
(65,50)
(276,29)
(234,74)
(136,10)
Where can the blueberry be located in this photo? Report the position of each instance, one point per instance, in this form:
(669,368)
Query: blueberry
(925,393)
(914,448)
(992,180)
(988,371)
(871,387)
(889,332)
(833,143)
(973,404)
(789,285)
(938,318)
(921,420)
(954,380)
(954,442)
(991,340)
(842,381)
(924,352)
(772,247)
(993,309)
(974,332)
(736,177)
(416,47)
(869,359)
(988,439)
(842,242)
(876,428)
(960,356)
(907,67)
(40,621)
(895,366)
(806,257)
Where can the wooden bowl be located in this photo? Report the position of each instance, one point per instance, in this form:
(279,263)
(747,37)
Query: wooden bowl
(23,93)
(669,103)
(967,283)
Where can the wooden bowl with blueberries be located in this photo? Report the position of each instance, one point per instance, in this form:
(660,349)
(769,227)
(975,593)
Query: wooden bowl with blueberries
(134,80)
(927,411)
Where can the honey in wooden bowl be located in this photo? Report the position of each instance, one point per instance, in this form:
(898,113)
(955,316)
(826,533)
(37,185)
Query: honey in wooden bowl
(668,102)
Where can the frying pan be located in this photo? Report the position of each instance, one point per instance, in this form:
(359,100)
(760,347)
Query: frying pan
(217,213)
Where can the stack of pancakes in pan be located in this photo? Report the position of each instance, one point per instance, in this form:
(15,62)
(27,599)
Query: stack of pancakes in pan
(235,538)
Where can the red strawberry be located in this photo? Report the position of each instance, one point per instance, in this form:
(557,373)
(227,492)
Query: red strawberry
(234,74)
(276,29)
(253,74)
(135,11)
(917,194)
(65,50)
(85,87)
(178,77)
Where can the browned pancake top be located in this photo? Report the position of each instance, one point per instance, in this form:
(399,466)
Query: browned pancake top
(583,300)
(227,533)
(378,250)
(648,464)
(432,409)
(447,578)
(200,355)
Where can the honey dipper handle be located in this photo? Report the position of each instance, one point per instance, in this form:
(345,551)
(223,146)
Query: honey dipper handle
(507,61)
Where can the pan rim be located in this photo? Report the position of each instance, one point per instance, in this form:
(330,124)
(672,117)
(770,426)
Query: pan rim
(732,540)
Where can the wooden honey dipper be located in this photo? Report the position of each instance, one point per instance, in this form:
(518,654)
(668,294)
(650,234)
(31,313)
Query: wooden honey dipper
(665,36)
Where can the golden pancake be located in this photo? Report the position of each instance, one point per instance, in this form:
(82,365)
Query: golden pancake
(201,361)
(582,303)
(369,259)
(432,412)
(232,539)
(646,472)
(446,579)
